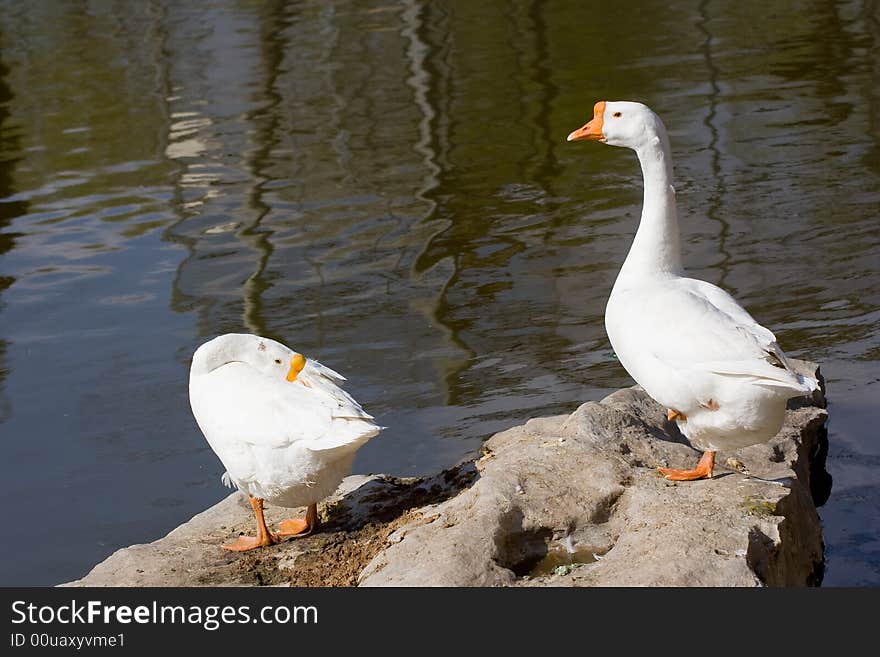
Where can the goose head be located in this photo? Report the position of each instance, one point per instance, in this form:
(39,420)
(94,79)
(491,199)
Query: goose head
(263,354)
(621,123)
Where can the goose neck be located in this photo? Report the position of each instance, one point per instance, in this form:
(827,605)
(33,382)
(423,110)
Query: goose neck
(656,248)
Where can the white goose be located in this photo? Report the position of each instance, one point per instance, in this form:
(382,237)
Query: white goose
(283,429)
(687,342)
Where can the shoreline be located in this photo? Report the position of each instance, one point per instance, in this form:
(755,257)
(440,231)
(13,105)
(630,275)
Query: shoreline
(568,500)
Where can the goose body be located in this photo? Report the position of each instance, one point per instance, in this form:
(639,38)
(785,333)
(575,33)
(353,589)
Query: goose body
(279,422)
(687,342)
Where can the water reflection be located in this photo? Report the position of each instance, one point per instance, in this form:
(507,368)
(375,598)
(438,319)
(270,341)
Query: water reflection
(530,41)
(9,149)
(716,199)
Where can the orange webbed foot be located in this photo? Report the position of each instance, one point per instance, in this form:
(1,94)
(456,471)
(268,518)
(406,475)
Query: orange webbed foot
(702,471)
(264,537)
(294,527)
(301,526)
(246,543)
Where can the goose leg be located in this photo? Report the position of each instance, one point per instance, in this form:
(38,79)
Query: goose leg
(702,471)
(301,526)
(264,537)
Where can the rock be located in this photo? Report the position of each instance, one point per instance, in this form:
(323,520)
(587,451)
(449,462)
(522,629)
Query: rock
(560,501)
(359,519)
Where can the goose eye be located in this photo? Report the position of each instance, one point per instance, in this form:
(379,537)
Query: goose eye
(278,361)
(616,115)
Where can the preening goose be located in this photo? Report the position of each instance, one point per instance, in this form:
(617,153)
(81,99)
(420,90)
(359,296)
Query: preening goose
(687,342)
(283,428)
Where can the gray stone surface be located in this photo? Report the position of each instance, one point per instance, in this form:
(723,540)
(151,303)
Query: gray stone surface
(560,501)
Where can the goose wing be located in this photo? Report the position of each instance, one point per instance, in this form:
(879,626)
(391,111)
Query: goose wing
(691,325)
(236,406)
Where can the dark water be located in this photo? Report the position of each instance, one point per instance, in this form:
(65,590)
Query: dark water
(386,187)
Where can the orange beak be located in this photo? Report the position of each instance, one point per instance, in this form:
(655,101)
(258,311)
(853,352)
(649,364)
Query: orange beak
(297,363)
(593,129)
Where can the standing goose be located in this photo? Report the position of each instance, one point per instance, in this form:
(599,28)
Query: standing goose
(687,342)
(284,430)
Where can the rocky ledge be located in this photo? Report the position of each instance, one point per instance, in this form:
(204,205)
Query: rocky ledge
(571,500)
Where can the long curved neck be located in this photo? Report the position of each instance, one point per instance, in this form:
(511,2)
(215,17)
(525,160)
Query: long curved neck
(216,353)
(656,248)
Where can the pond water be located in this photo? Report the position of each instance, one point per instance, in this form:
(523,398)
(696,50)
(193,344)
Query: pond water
(386,187)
